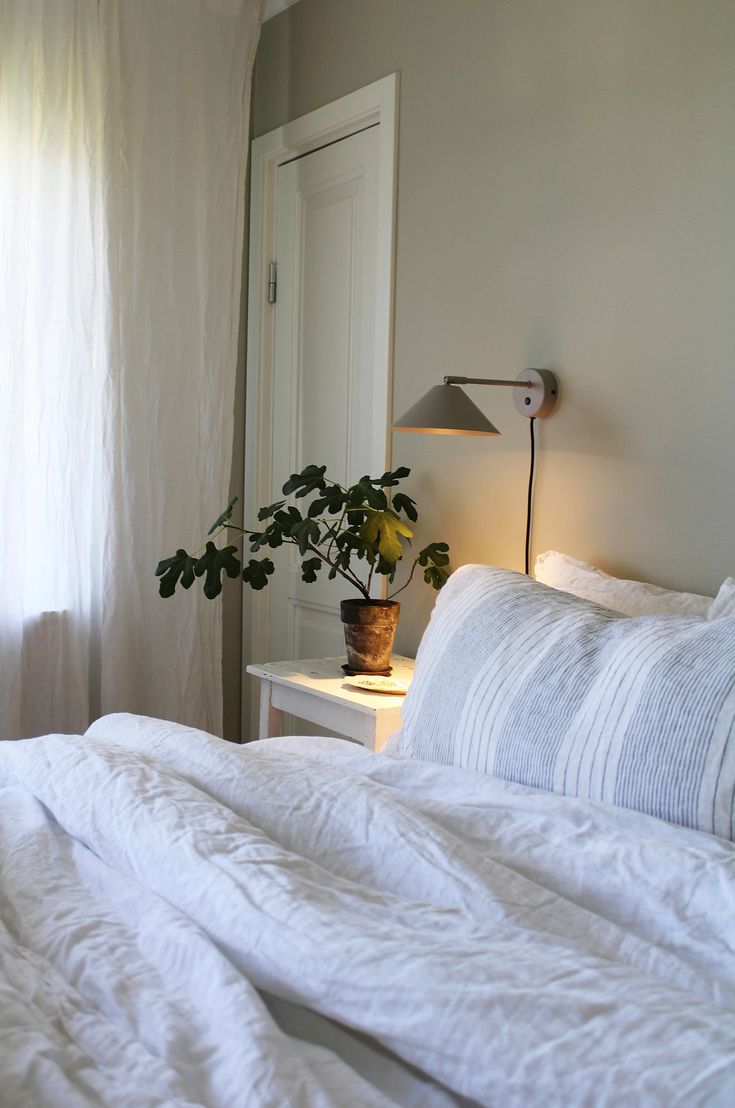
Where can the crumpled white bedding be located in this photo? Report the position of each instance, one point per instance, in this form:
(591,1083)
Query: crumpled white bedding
(491,942)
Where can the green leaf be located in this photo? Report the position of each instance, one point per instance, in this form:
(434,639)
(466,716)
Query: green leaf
(305,533)
(381,531)
(386,569)
(333,499)
(337,498)
(270,509)
(214,562)
(272,537)
(224,517)
(279,528)
(392,478)
(348,544)
(309,480)
(256,540)
(348,539)
(309,568)
(364,493)
(435,558)
(403,503)
(435,576)
(342,561)
(181,565)
(257,572)
(435,552)
(355,518)
(287,518)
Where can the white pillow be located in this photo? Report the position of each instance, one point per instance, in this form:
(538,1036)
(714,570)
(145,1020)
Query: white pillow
(724,603)
(537,686)
(632,598)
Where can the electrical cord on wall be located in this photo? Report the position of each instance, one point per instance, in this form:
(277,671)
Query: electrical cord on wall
(529,504)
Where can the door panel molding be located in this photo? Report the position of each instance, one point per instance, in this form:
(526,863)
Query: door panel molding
(366,107)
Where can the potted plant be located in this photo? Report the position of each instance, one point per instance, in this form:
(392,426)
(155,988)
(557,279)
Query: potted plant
(355,533)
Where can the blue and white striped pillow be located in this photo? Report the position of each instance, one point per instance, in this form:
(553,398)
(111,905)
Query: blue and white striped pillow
(537,686)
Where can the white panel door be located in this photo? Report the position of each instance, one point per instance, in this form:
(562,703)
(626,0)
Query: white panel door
(329,408)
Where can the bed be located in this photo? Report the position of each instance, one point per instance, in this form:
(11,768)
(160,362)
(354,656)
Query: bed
(496,911)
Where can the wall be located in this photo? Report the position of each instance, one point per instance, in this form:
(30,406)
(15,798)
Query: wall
(566,185)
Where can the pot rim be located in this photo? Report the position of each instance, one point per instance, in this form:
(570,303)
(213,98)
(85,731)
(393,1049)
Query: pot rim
(361,602)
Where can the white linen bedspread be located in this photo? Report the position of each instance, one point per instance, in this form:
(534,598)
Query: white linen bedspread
(514,948)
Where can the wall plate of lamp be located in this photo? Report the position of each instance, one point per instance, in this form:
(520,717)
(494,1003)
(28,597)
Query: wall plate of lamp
(447,410)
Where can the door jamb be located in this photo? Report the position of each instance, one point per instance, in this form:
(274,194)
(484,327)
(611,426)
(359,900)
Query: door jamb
(375,103)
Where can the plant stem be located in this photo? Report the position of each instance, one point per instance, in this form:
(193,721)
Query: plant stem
(336,531)
(413,569)
(348,576)
(370,578)
(351,578)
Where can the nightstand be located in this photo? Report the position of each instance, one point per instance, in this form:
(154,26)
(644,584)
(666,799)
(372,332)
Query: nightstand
(314,689)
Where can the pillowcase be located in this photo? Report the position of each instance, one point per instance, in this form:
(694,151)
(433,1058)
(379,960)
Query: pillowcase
(724,603)
(632,598)
(540,687)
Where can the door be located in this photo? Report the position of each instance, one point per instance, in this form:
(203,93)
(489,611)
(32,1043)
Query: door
(329,408)
(319,358)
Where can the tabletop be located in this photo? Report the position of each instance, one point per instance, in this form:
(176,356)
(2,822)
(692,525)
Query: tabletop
(323,677)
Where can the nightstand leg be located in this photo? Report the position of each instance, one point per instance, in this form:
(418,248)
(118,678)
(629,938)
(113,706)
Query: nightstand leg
(271,719)
(385,726)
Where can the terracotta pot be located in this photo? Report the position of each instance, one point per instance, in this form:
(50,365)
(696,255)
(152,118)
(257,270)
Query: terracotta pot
(370,627)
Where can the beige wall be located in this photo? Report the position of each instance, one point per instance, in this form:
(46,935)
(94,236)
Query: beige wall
(566,199)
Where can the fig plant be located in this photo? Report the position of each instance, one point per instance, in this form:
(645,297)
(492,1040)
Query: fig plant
(355,533)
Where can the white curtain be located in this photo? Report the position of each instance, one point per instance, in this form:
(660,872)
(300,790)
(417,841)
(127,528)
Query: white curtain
(123,145)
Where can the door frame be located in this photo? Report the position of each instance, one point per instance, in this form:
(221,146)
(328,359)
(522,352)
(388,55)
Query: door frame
(375,103)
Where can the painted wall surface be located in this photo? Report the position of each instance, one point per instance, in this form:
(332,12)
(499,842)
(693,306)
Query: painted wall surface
(566,199)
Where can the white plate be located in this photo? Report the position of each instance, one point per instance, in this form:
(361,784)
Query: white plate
(377,684)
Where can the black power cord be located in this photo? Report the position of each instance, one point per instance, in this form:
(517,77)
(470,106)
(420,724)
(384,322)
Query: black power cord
(529,504)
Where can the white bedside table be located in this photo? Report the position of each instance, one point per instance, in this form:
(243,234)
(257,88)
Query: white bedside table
(314,689)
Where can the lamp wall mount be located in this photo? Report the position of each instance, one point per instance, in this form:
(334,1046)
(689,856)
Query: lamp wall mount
(536,395)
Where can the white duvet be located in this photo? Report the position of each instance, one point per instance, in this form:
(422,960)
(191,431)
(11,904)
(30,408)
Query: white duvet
(172,908)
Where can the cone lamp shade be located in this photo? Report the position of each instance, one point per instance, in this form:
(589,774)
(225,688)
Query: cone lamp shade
(445,410)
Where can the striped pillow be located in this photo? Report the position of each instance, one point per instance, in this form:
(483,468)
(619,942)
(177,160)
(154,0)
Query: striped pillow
(537,686)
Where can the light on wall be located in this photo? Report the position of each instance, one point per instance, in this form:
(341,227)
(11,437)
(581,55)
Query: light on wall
(447,410)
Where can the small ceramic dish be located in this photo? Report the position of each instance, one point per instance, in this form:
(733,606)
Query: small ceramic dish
(377,684)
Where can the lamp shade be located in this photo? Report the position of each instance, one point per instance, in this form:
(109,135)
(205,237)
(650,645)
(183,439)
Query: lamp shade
(445,410)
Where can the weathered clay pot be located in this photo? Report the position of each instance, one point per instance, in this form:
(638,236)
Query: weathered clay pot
(370,627)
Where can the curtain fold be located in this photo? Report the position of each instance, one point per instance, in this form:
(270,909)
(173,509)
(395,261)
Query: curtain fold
(123,148)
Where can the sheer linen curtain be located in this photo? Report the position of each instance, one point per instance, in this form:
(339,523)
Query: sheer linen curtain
(123,147)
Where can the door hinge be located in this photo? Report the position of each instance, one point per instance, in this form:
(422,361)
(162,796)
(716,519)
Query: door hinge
(272,282)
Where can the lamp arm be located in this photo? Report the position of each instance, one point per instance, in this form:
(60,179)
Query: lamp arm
(487,381)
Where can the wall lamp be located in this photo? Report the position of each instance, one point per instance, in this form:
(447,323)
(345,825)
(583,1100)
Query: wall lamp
(447,410)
